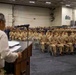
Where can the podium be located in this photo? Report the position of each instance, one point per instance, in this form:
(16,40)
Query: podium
(22,65)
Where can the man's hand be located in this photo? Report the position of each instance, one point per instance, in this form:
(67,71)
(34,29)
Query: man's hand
(19,54)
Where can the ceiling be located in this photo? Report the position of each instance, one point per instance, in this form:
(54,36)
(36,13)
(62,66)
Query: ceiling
(42,3)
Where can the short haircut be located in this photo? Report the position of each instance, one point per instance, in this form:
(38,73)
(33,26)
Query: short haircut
(2,17)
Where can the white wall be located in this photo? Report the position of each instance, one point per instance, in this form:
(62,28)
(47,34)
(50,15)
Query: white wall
(57,21)
(7,11)
(75,14)
(34,16)
(68,12)
(60,14)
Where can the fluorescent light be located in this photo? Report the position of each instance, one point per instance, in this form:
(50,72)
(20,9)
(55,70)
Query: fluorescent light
(48,2)
(13,0)
(31,1)
(68,5)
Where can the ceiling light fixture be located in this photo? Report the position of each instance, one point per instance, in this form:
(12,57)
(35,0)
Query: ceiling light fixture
(13,0)
(68,5)
(31,1)
(48,2)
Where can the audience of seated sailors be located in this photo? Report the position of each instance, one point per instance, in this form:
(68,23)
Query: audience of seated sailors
(62,41)
(57,40)
(21,34)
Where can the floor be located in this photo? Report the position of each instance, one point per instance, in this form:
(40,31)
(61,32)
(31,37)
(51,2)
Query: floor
(44,64)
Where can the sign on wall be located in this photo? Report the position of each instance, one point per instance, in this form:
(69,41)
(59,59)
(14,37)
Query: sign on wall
(67,17)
